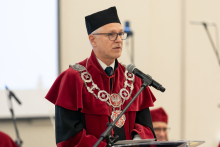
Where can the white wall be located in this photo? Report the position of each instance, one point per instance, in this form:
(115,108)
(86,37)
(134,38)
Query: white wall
(33,133)
(28,54)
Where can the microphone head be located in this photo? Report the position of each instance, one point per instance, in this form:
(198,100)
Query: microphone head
(202,23)
(130,68)
(162,89)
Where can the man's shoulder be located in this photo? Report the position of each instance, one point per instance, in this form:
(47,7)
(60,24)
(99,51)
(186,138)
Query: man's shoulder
(75,68)
(70,74)
(70,71)
(122,66)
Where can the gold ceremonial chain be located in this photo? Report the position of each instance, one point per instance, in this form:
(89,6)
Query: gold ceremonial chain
(114,100)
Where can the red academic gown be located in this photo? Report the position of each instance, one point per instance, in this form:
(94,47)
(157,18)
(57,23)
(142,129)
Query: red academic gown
(6,141)
(69,93)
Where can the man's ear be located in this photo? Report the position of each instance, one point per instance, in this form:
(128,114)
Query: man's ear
(92,40)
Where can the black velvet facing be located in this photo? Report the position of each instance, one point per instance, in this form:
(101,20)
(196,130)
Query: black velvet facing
(143,118)
(101,18)
(68,123)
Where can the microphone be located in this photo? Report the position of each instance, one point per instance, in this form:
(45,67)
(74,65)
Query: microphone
(13,95)
(127,28)
(132,69)
(202,23)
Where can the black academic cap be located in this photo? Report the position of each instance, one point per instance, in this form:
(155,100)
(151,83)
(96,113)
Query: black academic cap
(101,18)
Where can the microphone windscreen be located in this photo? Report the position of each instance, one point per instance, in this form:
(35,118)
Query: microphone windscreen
(130,68)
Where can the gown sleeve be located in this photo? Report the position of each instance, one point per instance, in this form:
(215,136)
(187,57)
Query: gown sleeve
(70,129)
(6,141)
(143,125)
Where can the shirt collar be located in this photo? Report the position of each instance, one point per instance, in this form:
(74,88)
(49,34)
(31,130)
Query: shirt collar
(103,65)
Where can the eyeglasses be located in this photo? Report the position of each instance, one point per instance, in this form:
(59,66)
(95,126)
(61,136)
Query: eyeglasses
(161,129)
(114,36)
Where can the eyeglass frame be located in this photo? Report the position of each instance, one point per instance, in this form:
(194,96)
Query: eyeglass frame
(110,34)
(161,129)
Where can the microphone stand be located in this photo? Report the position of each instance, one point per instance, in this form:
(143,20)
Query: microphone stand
(10,95)
(109,139)
(130,35)
(212,43)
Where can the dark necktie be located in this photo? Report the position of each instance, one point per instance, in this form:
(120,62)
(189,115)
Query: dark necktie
(108,70)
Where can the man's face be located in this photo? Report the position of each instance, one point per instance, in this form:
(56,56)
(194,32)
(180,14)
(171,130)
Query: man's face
(160,129)
(106,49)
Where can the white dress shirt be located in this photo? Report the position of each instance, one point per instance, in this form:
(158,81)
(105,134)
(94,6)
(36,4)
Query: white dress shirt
(103,65)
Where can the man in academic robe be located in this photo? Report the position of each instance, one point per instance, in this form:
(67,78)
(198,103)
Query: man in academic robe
(6,141)
(93,92)
(160,120)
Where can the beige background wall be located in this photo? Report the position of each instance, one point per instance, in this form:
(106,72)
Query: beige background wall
(167,47)
(202,74)
(33,133)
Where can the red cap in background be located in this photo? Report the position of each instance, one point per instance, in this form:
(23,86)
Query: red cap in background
(159,115)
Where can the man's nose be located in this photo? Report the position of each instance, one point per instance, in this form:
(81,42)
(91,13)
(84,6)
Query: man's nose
(118,39)
(162,133)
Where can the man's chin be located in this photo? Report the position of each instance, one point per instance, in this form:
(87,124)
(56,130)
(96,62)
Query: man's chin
(161,139)
(117,55)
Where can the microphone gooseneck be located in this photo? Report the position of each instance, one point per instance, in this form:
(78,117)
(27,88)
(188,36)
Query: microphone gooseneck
(132,69)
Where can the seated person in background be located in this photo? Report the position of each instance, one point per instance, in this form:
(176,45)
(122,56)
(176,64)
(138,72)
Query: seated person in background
(93,92)
(160,119)
(6,141)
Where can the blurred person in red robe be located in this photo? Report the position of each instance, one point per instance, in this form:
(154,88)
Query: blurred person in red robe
(93,92)
(6,141)
(160,120)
